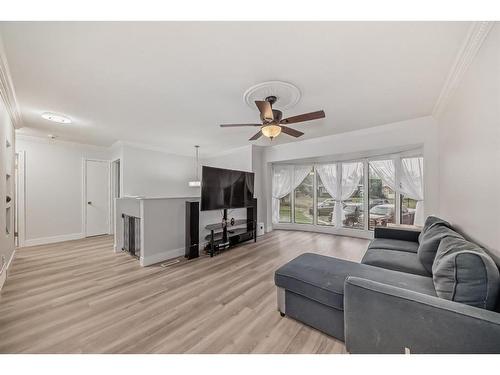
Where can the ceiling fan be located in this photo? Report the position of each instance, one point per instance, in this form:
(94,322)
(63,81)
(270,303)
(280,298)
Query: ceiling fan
(273,122)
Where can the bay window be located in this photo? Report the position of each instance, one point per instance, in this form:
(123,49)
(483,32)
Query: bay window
(303,202)
(351,195)
(412,191)
(325,192)
(286,209)
(381,194)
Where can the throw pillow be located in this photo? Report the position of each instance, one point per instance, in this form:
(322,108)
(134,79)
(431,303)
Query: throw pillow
(465,273)
(435,229)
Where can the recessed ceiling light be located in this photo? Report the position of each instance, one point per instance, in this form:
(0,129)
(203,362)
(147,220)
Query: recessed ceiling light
(56,118)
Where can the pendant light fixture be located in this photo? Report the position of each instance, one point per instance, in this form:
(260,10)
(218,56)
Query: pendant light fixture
(196,182)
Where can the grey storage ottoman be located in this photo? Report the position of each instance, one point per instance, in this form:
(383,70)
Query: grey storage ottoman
(311,289)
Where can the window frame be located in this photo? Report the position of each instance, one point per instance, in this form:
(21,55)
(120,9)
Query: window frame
(316,177)
(338,228)
(396,189)
(365,194)
(313,169)
(290,221)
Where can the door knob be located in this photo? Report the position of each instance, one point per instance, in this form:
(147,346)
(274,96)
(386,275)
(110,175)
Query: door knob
(89,202)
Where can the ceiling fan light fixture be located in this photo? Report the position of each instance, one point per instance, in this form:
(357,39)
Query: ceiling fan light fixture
(271,131)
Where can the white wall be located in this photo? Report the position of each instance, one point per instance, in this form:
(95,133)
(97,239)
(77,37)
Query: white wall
(54,180)
(469,144)
(153,173)
(258,167)
(162,227)
(390,138)
(116,153)
(54,188)
(239,159)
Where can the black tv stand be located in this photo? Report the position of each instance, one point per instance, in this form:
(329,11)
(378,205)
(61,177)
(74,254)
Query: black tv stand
(221,238)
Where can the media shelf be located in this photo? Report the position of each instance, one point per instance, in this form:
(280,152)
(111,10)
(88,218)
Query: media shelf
(230,233)
(229,225)
(225,234)
(234,236)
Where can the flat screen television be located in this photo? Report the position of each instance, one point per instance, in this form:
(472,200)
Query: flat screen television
(225,188)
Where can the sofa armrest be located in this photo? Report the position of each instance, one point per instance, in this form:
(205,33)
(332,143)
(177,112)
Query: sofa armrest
(381,318)
(396,234)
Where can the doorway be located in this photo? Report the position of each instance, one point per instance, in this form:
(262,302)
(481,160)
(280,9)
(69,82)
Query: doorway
(115,190)
(97,197)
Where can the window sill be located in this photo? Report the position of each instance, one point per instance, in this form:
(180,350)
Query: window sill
(358,233)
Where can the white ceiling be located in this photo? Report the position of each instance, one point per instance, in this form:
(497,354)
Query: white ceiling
(170,84)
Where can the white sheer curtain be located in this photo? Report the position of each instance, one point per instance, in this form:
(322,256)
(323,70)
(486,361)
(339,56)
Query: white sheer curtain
(301,172)
(411,181)
(385,170)
(282,185)
(412,184)
(285,179)
(351,175)
(328,175)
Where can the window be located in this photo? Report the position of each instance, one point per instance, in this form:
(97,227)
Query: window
(353,207)
(304,210)
(411,186)
(373,192)
(381,195)
(325,206)
(286,209)
(408,208)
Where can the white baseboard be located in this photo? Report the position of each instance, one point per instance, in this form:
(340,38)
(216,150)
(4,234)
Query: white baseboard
(356,233)
(5,271)
(53,239)
(161,257)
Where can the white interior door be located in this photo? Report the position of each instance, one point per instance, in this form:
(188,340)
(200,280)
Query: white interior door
(97,197)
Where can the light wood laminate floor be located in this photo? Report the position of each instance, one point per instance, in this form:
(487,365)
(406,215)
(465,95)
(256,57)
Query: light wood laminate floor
(80,297)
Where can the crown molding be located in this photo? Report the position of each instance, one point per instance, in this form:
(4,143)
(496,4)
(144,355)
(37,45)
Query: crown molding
(147,147)
(473,41)
(7,92)
(36,138)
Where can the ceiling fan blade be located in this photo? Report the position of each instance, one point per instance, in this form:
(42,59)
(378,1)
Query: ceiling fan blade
(266,111)
(256,136)
(304,117)
(290,131)
(232,125)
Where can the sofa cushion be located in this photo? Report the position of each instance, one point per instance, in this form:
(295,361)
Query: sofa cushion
(389,244)
(322,278)
(397,233)
(465,273)
(434,230)
(402,261)
(430,221)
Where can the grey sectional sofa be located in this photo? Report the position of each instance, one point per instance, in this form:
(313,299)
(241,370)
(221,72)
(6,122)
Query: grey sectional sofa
(420,292)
